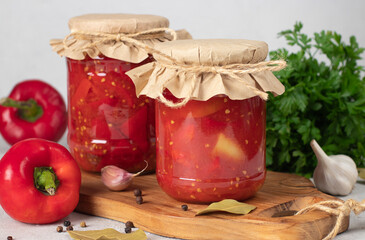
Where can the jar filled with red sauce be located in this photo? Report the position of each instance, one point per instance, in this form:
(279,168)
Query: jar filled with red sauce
(211,150)
(107,123)
(212,146)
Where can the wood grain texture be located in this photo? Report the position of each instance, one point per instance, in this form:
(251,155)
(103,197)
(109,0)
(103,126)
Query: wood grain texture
(163,215)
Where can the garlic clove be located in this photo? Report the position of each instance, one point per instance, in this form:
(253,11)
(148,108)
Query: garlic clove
(115,178)
(336,174)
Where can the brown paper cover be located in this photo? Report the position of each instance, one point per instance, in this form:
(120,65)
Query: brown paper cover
(152,78)
(79,46)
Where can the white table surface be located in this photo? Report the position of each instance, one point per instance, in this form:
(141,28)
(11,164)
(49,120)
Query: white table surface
(22,231)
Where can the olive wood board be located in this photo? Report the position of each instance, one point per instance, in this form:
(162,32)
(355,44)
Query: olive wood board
(162,215)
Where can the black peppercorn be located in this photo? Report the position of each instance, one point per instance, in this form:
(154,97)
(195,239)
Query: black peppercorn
(139,199)
(184,207)
(129,224)
(10,238)
(137,192)
(128,230)
(69,228)
(66,223)
(59,229)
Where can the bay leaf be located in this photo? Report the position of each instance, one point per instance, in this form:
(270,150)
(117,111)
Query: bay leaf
(227,205)
(107,234)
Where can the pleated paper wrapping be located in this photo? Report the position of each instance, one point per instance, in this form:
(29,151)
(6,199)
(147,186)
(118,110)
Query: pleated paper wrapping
(99,34)
(201,69)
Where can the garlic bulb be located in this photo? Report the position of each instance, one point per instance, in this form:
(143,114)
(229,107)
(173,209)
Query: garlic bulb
(336,174)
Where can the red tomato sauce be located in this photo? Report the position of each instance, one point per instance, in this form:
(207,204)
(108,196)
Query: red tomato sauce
(107,123)
(211,150)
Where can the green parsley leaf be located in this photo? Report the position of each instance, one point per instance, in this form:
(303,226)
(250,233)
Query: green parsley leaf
(324,100)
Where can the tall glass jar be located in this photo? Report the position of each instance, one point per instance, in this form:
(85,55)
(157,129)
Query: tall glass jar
(108,124)
(210,116)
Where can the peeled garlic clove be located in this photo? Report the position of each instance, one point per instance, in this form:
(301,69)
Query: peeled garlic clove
(115,178)
(334,174)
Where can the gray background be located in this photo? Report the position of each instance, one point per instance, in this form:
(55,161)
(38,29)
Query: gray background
(26,26)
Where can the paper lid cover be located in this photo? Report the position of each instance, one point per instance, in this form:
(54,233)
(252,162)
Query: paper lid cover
(201,69)
(118,36)
(116,23)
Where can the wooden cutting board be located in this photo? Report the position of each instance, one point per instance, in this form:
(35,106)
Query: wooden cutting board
(163,215)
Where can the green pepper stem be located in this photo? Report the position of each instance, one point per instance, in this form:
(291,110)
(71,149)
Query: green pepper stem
(45,180)
(28,110)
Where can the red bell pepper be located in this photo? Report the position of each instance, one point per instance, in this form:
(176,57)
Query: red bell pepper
(40,181)
(34,109)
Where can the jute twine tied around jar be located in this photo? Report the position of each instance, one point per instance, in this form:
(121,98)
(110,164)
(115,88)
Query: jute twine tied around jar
(232,70)
(120,37)
(337,208)
(115,36)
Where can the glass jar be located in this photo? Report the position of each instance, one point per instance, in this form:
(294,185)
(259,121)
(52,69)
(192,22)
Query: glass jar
(210,116)
(211,150)
(108,124)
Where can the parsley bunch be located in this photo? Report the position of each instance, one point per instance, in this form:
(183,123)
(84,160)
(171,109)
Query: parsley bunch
(324,100)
